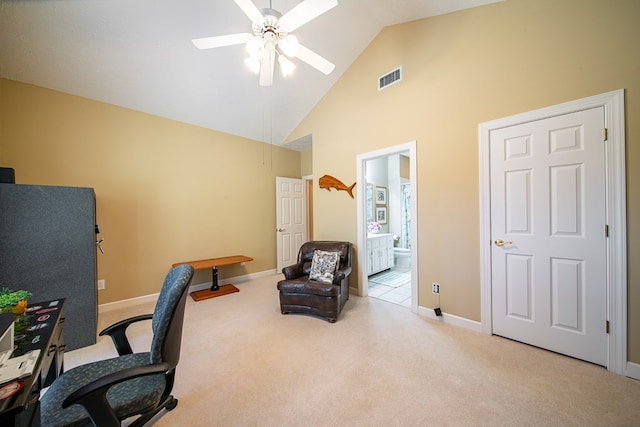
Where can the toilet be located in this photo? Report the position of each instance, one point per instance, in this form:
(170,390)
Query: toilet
(402,258)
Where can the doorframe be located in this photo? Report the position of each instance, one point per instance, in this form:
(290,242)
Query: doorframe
(615,212)
(361,181)
(309,205)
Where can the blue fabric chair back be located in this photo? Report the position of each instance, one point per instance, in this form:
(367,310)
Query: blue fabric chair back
(168,316)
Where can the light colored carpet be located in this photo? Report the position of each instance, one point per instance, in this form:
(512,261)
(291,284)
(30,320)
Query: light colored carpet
(391,278)
(245,364)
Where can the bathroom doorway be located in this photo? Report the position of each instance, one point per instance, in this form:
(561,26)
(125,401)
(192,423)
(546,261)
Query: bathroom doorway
(387,236)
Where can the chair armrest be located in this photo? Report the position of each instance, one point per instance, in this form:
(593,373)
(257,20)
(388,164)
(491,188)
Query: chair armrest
(93,395)
(118,335)
(292,272)
(341,274)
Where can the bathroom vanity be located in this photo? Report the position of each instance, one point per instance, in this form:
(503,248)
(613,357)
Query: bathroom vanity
(379,252)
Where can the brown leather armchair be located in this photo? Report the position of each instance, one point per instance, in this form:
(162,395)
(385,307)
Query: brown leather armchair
(299,294)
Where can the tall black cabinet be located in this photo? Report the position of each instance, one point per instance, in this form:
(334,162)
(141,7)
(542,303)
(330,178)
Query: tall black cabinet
(47,246)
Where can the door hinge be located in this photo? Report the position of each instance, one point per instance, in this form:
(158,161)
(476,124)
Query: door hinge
(605,134)
(606,230)
(607,327)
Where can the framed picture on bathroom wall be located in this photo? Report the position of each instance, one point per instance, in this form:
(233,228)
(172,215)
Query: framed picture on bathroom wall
(381,215)
(381,195)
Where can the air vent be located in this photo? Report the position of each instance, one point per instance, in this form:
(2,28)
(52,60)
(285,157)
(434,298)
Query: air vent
(390,78)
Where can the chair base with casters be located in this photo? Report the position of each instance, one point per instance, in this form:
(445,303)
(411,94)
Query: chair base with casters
(105,392)
(300,294)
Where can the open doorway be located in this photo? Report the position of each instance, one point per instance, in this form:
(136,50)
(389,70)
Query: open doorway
(384,221)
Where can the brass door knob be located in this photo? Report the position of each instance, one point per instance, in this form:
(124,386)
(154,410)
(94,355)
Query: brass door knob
(500,242)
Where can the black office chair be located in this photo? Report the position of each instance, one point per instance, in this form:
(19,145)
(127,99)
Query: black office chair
(105,392)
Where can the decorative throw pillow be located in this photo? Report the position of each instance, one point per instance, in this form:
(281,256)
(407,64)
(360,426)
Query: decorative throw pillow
(324,266)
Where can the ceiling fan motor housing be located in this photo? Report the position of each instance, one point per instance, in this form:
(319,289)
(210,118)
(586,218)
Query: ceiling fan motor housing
(269,29)
(270,26)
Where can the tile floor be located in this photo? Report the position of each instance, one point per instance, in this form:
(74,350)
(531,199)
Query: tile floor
(400,295)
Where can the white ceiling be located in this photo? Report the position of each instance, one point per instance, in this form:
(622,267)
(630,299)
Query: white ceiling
(138,54)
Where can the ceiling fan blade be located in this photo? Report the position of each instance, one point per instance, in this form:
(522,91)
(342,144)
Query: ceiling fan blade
(266,68)
(250,9)
(315,60)
(305,12)
(219,41)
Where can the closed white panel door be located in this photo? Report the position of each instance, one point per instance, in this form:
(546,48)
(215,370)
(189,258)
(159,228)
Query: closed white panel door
(548,234)
(291,219)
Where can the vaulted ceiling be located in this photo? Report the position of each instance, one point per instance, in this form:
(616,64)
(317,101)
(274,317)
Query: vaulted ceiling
(138,54)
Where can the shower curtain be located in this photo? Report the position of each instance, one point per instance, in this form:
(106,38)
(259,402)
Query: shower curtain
(405,200)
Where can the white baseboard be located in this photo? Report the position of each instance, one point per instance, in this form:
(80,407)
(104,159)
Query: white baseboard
(117,305)
(633,370)
(451,319)
(104,308)
(445,318)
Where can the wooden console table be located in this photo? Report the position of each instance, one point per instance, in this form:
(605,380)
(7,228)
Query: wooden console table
(213,263)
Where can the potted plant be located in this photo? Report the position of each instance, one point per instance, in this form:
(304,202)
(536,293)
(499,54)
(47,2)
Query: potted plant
(13,301)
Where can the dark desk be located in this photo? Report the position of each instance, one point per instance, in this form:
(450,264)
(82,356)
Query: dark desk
(44,331)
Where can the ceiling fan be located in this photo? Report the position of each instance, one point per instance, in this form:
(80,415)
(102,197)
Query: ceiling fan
(272,37)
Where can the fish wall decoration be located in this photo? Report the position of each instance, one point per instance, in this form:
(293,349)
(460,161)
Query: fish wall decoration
(329,182)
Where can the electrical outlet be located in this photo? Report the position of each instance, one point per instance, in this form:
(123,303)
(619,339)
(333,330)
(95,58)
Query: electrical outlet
(435,288)
(101,284)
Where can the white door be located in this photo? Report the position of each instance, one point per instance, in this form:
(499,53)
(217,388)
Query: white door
(291,219)
(548,258)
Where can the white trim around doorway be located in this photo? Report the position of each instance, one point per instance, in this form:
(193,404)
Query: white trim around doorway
(613,103)
(361,181)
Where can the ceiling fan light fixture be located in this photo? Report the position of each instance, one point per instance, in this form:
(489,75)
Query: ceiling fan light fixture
(289,45)
(286,67)
(253,65)
(255,48)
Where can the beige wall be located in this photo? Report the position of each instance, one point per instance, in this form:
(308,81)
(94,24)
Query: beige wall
(306,165)
(405,171)
(166,191)
(460,70)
